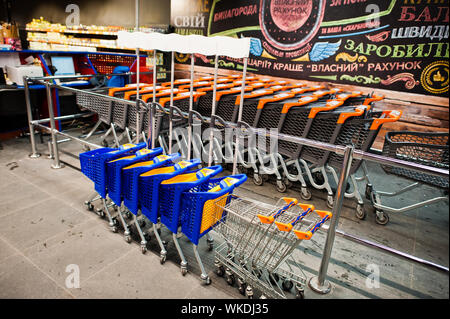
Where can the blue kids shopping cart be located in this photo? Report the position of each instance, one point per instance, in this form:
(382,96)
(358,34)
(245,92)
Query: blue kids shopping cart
(148,195)
(114,179)
(200,212)
(130,187)
(170,204)
(93,165)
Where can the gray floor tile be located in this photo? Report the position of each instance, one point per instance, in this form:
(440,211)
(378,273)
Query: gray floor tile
(35,224)
(21,279)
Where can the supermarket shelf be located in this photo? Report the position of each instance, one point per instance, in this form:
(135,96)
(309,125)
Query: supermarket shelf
(80,44)
(74,31)
(74,52)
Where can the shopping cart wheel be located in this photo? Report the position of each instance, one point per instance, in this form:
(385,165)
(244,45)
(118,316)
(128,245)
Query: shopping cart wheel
(220,271)
(287,285)
(105,143)
(100,212)
(305,193)
(205,280)
(360,212)
(242,285)
(258,180)
(368,192)
(229,277)
(89,206)
(300,294)
(281,186)
(330,201)
(162,258)
(183,271)
(143,248)
(113,228)
(249,292)
(127,238)
(381,217)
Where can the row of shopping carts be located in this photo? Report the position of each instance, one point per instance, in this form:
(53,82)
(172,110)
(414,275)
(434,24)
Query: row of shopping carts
(279,107)
(164,189)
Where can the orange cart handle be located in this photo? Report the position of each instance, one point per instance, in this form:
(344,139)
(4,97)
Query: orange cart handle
(303,101)
(357,112)
(386,116)
(373,98)
(253,94)
(278,97)
(331,105)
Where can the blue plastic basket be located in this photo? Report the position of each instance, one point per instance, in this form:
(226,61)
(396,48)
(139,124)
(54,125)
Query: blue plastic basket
(130,178)
(114,171)
(199,212)
(170,194)
(93,163)
(149,186)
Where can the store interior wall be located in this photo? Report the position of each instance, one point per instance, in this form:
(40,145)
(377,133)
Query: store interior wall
(98,12)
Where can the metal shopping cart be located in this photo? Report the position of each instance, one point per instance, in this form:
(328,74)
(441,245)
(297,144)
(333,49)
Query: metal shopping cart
(93,165)
(199,212)
(130,187)
(259,243)
(426,148)
(170,203)
(114,180)
(148,195)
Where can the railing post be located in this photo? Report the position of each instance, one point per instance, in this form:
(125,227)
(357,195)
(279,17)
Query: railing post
(319,283)
(56,163)
(34,153)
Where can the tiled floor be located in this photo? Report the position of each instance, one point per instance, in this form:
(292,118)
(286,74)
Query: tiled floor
(45,228)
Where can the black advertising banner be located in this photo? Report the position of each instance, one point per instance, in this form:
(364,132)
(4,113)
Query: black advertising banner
(399,45)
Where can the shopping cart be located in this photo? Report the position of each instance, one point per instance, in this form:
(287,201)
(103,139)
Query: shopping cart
(170,204)
(114,179)
(148,194)
(425,148)
(199,212)
(130,187)
(205,101)
(260,240)
(132,94)
(93,165)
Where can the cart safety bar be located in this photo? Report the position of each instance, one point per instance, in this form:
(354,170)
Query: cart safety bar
(306,235)
(331,105)
(387,116)
(302,101)
(357,112)
(269,219)
(287,227)
(277,97)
